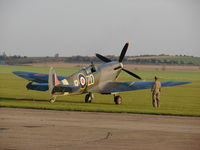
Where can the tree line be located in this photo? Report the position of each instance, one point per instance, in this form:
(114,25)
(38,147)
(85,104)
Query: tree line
(143,59)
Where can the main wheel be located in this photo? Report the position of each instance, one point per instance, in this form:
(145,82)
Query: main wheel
(88,98)
(117,99)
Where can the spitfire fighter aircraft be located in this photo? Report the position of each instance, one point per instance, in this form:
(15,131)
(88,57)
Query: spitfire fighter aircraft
(91,79)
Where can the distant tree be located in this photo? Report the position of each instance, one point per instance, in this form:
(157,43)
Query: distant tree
(182,62)
(4,54)
(56,55)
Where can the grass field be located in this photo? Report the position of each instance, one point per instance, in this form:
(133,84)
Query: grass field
(177,100)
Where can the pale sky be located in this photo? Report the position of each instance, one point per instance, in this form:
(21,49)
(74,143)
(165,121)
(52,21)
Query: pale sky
(83,27)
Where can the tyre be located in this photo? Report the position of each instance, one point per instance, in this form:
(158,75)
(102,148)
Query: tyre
(52,100)
(117,100)
(88,98)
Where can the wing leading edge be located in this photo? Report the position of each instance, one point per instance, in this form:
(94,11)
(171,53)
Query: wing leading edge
(114,87)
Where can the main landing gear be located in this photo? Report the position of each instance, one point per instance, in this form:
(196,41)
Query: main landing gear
(89,97)
(117,99)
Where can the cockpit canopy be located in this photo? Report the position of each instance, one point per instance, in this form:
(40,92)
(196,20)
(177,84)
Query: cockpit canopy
(90,69)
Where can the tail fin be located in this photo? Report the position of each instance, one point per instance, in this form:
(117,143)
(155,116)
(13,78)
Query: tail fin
(53,80)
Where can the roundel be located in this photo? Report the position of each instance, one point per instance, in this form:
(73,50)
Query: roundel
(82,80)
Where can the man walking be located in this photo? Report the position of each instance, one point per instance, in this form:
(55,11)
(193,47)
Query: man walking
(156,89)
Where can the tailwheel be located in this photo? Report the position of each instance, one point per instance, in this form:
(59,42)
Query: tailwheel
(117,99)
(52,100)
(89,97)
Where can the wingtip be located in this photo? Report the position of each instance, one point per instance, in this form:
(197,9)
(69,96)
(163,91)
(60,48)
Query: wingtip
(187,82)
(16,72)
(184,82)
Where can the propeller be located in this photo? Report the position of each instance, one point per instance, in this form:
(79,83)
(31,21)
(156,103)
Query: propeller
(121,57)
(123,53)
(132,74)
(103,58)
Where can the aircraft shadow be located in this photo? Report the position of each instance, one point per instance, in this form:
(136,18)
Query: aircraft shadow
(30,99)
(35,100)
(21,98)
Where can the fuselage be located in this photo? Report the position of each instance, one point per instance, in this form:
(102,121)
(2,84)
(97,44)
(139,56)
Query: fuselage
(91,78)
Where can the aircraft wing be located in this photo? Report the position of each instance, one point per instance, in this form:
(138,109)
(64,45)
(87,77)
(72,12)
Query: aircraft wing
(115,87)
(35,77)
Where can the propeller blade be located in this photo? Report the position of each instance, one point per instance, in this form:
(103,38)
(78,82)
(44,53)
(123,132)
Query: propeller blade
(123,53)
(103,58)
(132,74)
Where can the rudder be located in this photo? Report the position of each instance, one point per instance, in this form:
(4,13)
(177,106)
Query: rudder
(53,80)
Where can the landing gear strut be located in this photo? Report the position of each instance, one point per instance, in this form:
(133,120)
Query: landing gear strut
(89,97)
(117,99)
(52,100)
